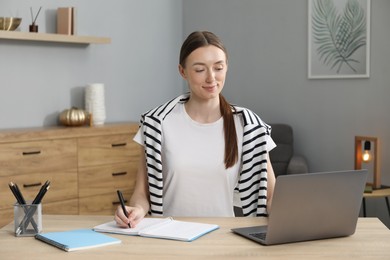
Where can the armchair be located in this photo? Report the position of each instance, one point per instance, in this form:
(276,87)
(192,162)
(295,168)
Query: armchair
(283,159)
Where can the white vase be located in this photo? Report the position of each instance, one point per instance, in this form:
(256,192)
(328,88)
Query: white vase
(95,103)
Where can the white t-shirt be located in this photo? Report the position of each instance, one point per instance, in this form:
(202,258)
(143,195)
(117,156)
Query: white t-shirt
(196,182)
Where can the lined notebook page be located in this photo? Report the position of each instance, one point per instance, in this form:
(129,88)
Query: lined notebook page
(111,227)
(179,230)
(166,228)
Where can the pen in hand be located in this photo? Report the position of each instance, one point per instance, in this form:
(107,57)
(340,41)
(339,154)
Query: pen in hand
(122,201)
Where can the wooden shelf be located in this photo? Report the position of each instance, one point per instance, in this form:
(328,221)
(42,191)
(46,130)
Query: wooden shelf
(51,37)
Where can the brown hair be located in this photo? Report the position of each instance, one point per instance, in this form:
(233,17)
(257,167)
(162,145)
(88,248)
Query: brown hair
(201,39)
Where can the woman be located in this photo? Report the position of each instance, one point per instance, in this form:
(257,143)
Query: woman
(198,151)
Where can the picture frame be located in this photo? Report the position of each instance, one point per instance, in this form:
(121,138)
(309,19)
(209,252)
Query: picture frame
(338,39)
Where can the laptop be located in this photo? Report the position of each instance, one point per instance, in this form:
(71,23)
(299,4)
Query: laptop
(311,206)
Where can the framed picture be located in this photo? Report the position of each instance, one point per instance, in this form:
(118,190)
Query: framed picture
(339,39)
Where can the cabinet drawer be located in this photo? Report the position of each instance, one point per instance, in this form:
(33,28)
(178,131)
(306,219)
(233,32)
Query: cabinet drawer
(105,204)
(107,179)
(63,186)
(6,216)
(33,157)
(63,207)
(106,150)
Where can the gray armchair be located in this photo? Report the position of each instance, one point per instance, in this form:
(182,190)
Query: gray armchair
(283,159)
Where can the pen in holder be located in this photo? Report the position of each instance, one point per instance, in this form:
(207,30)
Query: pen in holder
(28,219)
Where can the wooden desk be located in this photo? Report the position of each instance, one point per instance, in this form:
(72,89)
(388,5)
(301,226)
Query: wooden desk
(371,240)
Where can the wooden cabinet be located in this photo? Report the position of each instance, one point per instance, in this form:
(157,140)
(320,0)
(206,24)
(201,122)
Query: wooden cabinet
(85,165)
(105,165)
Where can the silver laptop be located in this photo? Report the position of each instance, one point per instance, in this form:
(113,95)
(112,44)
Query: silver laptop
(311,206)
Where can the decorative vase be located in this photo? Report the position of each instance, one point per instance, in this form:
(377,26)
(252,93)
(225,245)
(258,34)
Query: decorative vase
(95,103)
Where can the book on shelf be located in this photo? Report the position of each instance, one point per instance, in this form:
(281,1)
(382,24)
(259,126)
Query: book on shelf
(166,228)
(66,19)
(78,239)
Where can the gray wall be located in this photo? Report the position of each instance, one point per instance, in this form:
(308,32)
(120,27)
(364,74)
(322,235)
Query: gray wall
(267,43)
(139,67)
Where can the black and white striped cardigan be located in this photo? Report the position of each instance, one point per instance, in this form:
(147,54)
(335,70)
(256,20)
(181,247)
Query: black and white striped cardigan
(252,184)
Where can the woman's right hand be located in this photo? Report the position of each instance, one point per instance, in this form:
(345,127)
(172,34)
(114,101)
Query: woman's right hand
(136,214)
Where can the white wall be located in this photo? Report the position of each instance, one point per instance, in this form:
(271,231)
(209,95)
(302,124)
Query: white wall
(139,67)
(267,44)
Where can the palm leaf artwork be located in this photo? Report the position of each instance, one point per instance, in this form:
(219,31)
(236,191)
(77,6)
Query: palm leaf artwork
(338,36)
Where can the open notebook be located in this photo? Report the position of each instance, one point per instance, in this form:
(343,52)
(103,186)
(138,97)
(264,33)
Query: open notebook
(166,228)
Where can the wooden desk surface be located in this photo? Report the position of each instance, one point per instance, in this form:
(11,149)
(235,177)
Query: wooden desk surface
(371,240)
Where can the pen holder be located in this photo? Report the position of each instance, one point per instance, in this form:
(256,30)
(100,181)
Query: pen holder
(28,219)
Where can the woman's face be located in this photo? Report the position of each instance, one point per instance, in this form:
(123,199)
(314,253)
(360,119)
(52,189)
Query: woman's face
(205,71)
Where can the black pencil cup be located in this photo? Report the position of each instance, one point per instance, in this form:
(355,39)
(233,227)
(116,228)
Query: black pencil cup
(28,219)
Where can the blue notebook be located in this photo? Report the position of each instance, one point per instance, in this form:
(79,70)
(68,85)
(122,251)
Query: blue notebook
(77,239)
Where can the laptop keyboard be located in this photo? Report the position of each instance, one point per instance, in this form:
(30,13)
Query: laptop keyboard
(261,236)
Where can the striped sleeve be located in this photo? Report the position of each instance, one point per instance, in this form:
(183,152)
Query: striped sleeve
(252,185)
(151,124)
(152,143)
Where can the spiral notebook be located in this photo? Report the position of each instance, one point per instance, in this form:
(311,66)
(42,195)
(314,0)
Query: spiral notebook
(166,228)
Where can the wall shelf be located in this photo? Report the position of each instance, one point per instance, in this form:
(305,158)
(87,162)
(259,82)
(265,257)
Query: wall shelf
(52,37)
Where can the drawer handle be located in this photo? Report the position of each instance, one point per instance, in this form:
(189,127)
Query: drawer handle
(118,202)
(118,145)
(118,173)
(32,185)
(31,153)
